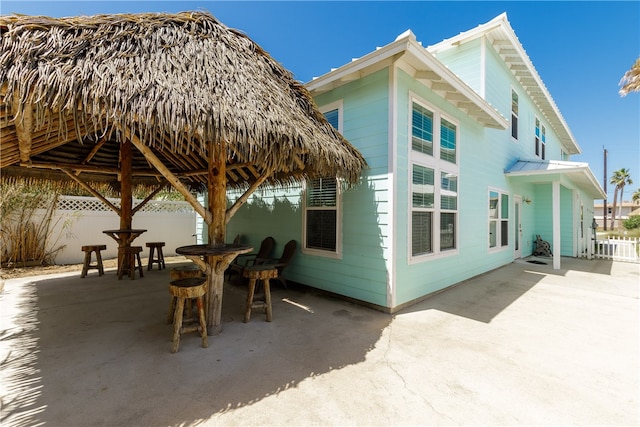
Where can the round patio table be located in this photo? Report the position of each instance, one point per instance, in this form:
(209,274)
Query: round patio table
(124,237)
(213,260)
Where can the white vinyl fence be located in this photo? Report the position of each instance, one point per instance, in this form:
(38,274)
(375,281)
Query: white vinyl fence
(617,249)
(80,221)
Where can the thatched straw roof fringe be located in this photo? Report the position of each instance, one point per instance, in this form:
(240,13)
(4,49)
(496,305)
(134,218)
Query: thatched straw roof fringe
(177,81)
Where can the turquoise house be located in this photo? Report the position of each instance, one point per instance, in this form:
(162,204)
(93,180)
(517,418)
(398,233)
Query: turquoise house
(469,160)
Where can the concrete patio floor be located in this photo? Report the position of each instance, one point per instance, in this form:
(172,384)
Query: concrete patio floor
(522,345)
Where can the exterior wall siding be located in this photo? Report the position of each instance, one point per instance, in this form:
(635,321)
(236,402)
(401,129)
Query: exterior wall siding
(477,169)
(464,60)
(361,272)
(371,239)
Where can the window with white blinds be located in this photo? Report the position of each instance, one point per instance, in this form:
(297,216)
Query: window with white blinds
(434,182)
(322,204)
(321,214)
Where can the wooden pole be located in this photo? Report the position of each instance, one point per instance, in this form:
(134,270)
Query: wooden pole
(606,211)
(217,192)
(126,197)
(126,204)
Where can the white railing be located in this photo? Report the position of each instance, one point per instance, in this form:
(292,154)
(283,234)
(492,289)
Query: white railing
(617,249)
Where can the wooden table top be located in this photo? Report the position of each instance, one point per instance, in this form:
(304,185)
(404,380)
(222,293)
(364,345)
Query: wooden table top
(127,231)
(215,250)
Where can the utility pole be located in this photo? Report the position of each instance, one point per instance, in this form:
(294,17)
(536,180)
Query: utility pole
(605,189)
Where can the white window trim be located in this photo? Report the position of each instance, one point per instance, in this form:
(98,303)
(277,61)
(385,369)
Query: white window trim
(438,165)
(511,115)
(337,105)
(543,155)
(319,252)
(499,247)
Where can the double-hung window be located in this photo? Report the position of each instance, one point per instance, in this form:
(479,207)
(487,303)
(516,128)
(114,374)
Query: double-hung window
(498,219)
(540,140)
(321,216)
(434,182)
(514,114)
(321,232)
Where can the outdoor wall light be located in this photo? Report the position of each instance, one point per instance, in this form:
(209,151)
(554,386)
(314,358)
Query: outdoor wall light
(527,200)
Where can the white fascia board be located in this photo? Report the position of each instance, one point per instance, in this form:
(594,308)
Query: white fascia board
(469,35)
(378,55)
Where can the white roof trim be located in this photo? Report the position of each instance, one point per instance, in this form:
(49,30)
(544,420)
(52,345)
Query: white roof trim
(407,49)
(528,77)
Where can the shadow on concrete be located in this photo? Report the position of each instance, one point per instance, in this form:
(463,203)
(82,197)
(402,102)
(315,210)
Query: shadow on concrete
(489,295)
(95,351)
(484,297)
(599,266)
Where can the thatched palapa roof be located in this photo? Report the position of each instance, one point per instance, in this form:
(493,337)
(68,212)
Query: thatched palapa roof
(71,90)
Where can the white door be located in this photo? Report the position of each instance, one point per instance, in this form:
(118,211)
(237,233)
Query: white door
(517,232)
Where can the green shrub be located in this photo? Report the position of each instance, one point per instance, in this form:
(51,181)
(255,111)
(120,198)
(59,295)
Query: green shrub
(632,222)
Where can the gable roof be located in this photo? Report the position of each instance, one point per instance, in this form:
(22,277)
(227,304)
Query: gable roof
(499,33)
(413,58)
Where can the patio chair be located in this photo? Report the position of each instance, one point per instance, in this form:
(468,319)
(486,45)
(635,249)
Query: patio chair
(245,260)
(283,262)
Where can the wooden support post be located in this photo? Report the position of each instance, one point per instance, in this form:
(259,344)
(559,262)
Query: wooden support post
(23,122)
(126,196)
(126,204)
(217,190)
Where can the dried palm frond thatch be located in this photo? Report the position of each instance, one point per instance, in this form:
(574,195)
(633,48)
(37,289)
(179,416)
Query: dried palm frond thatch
(630,82)
(176,81)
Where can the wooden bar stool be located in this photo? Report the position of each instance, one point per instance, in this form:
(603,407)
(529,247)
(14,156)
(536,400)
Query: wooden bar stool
(159,259)
(183,290)
(88,250)
(262,272)
(127,262)
(182,272)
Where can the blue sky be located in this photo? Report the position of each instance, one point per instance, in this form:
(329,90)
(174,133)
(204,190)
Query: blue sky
(580,49)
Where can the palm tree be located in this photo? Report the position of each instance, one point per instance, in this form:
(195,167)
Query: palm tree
(631,80)
(635,197)
(620,178)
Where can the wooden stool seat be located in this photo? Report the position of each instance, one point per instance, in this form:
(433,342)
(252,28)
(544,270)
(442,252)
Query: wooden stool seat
(159,259)
(127,258)
(264,273)
(88,250)
(183,290)
(185,272)
(182,272)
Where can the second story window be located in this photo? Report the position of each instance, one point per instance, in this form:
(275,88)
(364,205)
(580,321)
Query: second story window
(540,140)
(514,114)
(433,220)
